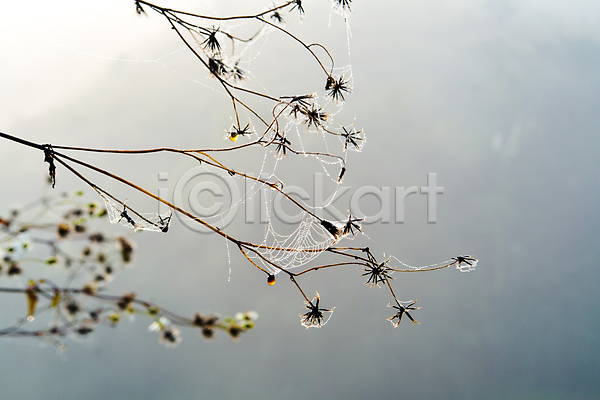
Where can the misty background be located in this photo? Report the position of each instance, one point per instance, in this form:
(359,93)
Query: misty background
(500,98)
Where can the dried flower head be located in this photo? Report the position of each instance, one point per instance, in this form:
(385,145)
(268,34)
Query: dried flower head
(211,43)
(138,8)
(298,104)
(352,136)
(402,309)
(236,131)
(217,66)
(337,88)
(237,73)
(378,273)
(298,6)
(342,4)
(315,116)
(315,317)
(277,17)
(465,263)
(351,224)
(281,145)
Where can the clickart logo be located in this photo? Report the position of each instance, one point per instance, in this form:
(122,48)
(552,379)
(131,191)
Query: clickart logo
(219,198)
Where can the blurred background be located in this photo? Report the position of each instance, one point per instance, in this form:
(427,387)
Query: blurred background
(500,98)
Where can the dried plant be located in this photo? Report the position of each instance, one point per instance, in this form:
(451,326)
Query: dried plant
(269,124)
(58,232)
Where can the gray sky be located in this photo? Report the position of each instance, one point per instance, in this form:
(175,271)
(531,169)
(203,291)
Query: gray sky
(500,99)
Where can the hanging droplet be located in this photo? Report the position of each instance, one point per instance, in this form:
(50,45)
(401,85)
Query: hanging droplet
(271,280)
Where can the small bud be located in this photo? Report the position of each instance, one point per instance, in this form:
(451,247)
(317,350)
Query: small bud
(235,331)
(84,330)
(14,269)
(153,310)
(63,230)
(52,260)
(114,318)
(55,299)
(208,332)
(32,299)
(90,289)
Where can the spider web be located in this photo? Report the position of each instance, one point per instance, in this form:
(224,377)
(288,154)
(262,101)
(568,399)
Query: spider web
(309,238)
(307,242)
(153,222)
